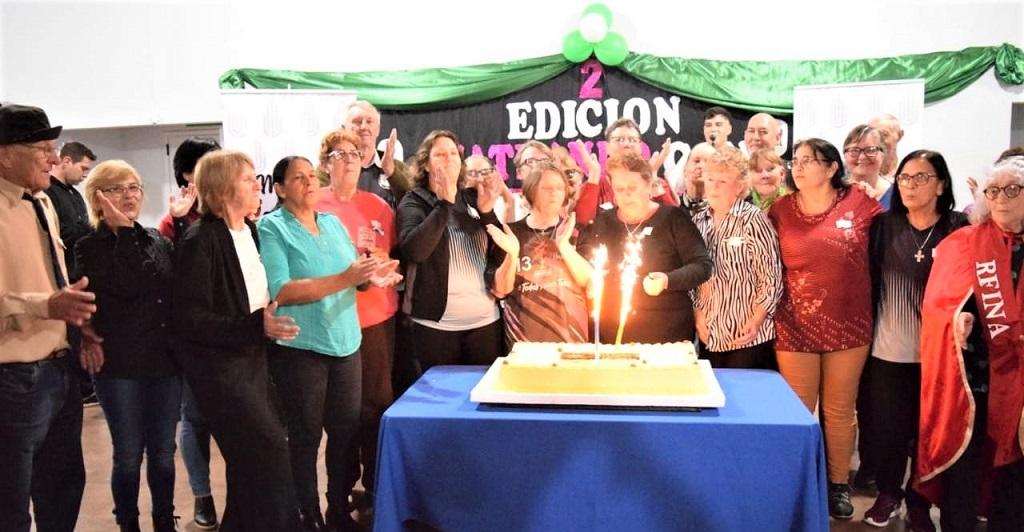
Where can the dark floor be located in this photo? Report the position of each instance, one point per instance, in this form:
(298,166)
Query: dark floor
(96,506)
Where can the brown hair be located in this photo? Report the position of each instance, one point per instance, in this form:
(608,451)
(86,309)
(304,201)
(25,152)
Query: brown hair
(630,162)
(331,140)
(622,122)
(532,181)
(422,159)
(536,144)
(215,178)
(863,130)
(762,157)
(107,173)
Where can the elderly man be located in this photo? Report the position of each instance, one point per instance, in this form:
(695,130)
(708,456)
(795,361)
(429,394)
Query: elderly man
(384,175)
(40,406)
(762,133)
(894,133)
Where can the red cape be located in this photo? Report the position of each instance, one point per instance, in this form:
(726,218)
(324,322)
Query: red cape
(947,406)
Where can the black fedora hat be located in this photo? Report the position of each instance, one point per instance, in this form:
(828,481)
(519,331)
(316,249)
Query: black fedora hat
(23,123)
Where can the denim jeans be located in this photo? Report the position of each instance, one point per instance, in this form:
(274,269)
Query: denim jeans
(195,444)
(318,393)
(40,446)
(142,415)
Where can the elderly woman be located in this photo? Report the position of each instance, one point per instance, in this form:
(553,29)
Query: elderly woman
(451,261)
(673,258)
(370,221)
(692,192)
(542,278)
(902,241)
(313,269)
(971,435)
(824,320)
(130,270)
(733,308)
(864,151)
(767,175)
(223,317)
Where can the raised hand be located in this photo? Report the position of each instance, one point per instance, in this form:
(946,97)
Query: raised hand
(658,157)
(589,161)
(112,216)
(387,163)
(441,184)
(360,270)
(278,327)
(504,238)
(563,234)
(385,274)
(182,202)
(72,303)
(488,191)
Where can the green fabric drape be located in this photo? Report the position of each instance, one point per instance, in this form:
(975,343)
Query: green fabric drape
(754,85)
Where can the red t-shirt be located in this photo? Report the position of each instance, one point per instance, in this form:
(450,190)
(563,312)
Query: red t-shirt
(827,301)
(370,223)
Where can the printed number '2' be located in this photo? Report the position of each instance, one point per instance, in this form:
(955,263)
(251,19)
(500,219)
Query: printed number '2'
(589,88)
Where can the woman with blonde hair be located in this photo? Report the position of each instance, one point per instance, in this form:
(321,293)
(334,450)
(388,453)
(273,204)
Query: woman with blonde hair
(767,178)
(223,318)
(130,270)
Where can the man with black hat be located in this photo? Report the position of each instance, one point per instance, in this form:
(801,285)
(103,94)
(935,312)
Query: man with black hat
(40,405)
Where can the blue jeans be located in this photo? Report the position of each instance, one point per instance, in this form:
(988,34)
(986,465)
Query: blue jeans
(142,415)
(195,444)
(40,446)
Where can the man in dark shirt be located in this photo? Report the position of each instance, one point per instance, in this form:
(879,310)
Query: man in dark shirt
(384,175)
(75,162)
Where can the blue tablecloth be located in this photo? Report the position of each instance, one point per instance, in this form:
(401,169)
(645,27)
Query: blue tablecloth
(755,465)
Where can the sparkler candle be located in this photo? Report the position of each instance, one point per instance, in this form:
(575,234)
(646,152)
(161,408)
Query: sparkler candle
(628,266)
(600,262)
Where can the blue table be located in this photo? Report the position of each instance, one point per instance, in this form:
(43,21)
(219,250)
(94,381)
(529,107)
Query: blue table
(755,465)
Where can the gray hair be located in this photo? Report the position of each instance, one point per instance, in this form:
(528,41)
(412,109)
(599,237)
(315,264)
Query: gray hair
(1012,166)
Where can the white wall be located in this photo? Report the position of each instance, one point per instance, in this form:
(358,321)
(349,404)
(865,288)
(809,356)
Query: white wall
(101,63)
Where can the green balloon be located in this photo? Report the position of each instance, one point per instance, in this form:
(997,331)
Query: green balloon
(600,9)
(575,48)
(612,50)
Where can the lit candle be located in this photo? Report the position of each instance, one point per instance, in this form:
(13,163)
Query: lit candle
(628,267)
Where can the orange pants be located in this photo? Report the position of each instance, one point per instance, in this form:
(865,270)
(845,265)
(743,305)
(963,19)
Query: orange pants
(832,377)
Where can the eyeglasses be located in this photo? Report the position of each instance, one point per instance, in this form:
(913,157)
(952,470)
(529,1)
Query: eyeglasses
(1010,191)
(531,161)
(870,151)
(920,178)
(799,163)
(625,140)
(338,155)
(480,173)
(118,190)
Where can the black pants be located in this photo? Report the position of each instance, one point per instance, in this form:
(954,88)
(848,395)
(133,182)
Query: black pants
(892,405)
(318,393)
(233,392)
(865,445)
(760,356)
(480,346)
(40,445)
(962,486)
(377,352)
(406,368)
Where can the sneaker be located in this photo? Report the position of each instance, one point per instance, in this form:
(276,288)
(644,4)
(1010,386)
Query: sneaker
(839,505)
(919,518)
(205,513)
(887,506)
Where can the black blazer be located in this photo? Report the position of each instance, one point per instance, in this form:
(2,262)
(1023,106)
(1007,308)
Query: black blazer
(211,304)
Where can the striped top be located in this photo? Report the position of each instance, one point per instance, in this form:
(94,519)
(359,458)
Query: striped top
(747,271)
(546,304)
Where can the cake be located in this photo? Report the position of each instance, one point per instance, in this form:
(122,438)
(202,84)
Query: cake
(628,369)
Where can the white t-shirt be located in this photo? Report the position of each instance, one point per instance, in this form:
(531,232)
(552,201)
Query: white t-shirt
(252,268)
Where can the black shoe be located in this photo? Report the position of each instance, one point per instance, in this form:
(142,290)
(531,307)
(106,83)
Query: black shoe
(206,513)
(129,525)
(165,523)
(839,505)
(312,521)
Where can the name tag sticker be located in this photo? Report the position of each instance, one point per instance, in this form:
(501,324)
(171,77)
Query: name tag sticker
(647,231)
(935,252)
(735,241)
(606,205)
(843,223)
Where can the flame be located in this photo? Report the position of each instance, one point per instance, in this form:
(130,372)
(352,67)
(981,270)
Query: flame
(629,265)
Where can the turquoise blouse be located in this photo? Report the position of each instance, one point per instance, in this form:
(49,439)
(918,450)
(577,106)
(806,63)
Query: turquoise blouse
(329,326)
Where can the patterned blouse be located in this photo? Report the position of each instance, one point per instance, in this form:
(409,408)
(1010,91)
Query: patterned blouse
(826,305)
(746,272)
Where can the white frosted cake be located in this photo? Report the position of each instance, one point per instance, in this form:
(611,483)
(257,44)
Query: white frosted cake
(629,369)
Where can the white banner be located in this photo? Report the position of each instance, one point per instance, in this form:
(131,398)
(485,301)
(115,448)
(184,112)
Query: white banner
(272,124)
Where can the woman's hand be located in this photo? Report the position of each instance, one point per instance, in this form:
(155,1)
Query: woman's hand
(655,283)
(590,161)
(658,157)
(962,324)
(112,216)
(182,202)
(360,270)
(749,330)
(278,327)
(488,191)
(385,275)
(91,355)
(563,234)
(442,184)
(504,238)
